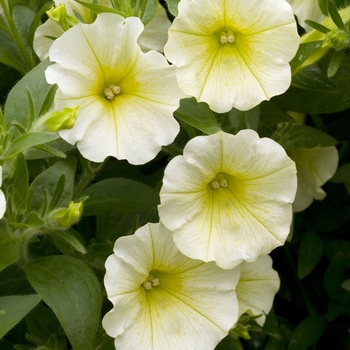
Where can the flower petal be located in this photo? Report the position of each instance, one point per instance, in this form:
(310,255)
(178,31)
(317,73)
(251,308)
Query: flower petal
(315,167)
(155,34)
(307,9)
(257,287)
(249,217)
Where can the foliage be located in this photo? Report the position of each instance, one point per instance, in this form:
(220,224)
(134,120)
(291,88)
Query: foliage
(64,212)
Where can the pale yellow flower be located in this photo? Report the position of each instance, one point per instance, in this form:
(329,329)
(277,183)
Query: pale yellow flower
(233,53)
(229,197)
(315,167)
(257,287)
(163,299)
(126,97)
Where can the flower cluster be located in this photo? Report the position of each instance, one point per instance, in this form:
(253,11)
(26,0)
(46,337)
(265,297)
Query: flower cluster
(227,202)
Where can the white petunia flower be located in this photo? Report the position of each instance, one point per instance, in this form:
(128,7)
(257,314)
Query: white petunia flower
(233,53)
(126,97)
(164,300)
(315,167)
(257,287)
(307,9)
(228,198)
(2,197)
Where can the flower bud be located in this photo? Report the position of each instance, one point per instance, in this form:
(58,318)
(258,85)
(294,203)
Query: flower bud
(66,217)
(60,16)
(58,120)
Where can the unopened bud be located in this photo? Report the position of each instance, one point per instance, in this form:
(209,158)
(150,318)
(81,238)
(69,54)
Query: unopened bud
(55,121)
(60,16)
(66,217)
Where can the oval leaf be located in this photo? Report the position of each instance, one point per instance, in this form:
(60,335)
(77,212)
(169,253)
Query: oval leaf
(120,195)
(198,115)
(310,253)
(47,189)
(14,308)
(27,141)
(8,253)
(307,332)
(72,291)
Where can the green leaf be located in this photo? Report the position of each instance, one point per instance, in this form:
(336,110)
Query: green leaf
(198,115)
(304,51)
(343,175)
(310,253)
(37,21)
(44,185)
(313,92)
(346,285)
(333,13)
(17,105)
(244,119)
(291,136)
(72,291)
(119,194)
(14,308)
(8,253)
(334,276)
(172,6)
(10,59)
(44,326)
(26,141)
(99,8)
(331,218)
(147,10)
(20,183)
(69,237)
(319,27)
(335,63)
(34,220)
(323,6)
(23,17)
(307,332)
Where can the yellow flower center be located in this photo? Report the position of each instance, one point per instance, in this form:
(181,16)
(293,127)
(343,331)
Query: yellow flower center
(150,282)
(227,37)
(219,181)
(111,91)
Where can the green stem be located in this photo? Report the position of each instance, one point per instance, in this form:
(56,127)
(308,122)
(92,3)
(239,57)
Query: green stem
(88,175)
(17,39)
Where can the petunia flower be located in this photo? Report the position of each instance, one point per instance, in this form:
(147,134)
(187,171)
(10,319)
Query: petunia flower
(163,299)
(307,9)
(229,197)
(233,53)
(2,197)
(315,167)
(126,97)
(257,287)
